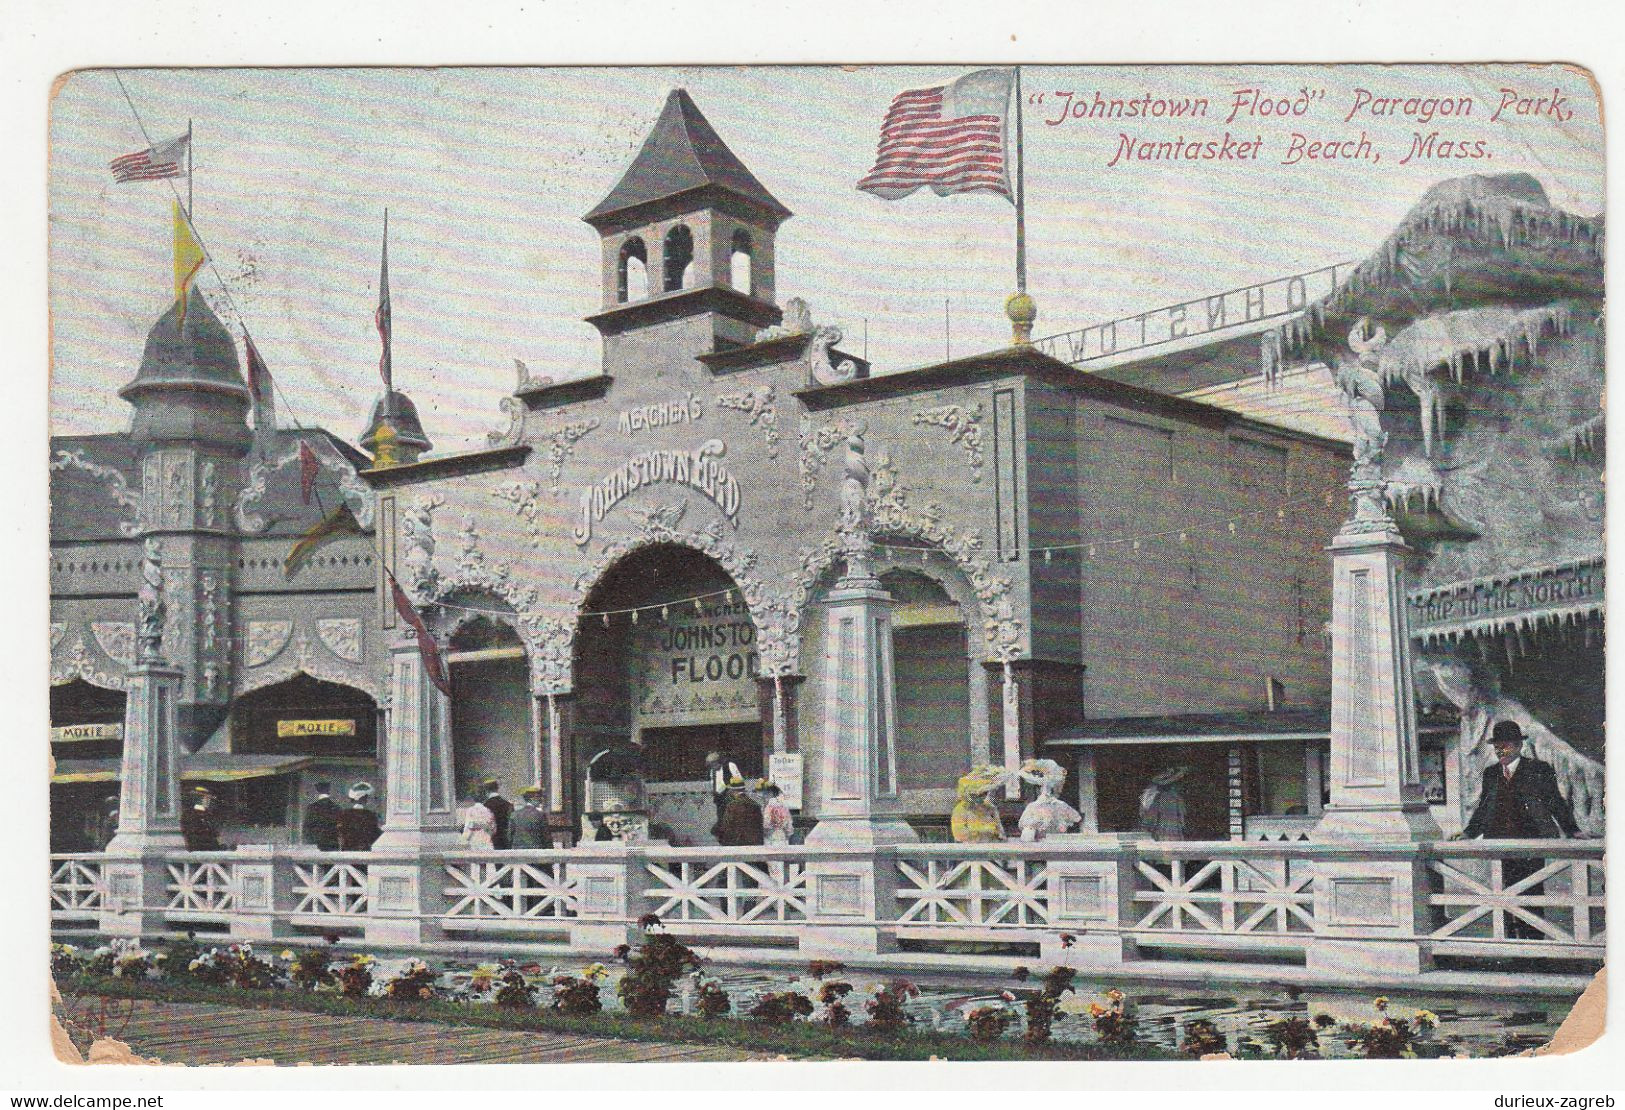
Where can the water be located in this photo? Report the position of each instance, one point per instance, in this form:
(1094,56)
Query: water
(1469,1025)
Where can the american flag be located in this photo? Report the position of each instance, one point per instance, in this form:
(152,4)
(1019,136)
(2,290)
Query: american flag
(154,163)
(951,138)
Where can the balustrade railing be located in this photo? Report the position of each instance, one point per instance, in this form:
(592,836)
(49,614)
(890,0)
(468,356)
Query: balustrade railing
(742,887)
(1510,900)
(494,887)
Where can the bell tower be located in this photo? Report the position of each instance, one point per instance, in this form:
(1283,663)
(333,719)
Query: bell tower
(687,235)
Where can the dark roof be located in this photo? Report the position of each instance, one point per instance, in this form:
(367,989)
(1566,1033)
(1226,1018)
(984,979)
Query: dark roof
(683,153)
(1308,723)
(83,507)
(403,414)
(200,350)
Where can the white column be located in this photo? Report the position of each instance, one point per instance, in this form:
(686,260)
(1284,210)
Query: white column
(860,803)
(1376,789)
(419,812)
(150,783)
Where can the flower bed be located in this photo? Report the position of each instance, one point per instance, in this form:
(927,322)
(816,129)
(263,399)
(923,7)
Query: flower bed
(811,1017)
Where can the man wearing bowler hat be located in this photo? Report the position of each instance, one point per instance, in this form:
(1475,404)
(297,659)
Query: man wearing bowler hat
(1519,801)
(500,807)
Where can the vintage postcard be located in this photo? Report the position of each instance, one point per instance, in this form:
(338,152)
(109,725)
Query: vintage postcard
(889,562)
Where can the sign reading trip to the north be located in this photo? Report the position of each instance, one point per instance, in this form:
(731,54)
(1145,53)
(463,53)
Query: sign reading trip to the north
(701,469)
(697,668)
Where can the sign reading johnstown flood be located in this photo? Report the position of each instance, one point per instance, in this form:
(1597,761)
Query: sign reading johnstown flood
(697,667)
(1023,581)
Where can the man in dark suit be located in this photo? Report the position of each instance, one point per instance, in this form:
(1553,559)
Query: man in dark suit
(322,820)
(1519,801)
(199,828)
(501,808)
(527,828)
(358,826)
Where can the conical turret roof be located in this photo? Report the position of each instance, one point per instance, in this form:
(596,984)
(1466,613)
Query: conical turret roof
(196,351)
(684,154)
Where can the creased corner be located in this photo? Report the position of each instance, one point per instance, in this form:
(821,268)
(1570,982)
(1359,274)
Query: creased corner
(1585,1022)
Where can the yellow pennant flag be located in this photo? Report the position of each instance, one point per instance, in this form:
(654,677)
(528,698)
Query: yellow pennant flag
(189,257)
(340,522)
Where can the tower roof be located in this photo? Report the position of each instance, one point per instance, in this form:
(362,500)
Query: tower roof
(396,409)
(683,154)
(193,353)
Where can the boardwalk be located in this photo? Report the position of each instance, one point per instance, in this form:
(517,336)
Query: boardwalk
(196,1033)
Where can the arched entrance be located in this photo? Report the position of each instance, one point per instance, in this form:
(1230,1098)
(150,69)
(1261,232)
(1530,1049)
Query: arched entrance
(666,660)
(87,743)
(285,739)
(492,712)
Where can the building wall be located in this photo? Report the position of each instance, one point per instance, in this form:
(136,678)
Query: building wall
(1201,624)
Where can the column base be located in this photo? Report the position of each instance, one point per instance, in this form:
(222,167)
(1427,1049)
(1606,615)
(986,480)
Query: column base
(1403,821)
(861,832)
(419,841)
(135,892)
(404,902)
(145,843)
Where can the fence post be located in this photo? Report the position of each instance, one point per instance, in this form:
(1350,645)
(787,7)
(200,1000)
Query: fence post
(1092,903)
(1372,915)
(608,882)
(851,898)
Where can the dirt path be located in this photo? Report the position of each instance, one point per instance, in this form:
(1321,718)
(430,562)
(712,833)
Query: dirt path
(199,1033)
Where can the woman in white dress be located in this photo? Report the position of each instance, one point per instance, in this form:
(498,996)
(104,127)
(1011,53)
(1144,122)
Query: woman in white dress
(479,827)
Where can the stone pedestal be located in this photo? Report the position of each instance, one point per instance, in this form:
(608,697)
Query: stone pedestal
(419,814)
(607,880)
(254,876)
(1370,914)
(1089,907)
(137,891)
(846,896)
(149,818)
(1376,790)
(860,806)
(405,894)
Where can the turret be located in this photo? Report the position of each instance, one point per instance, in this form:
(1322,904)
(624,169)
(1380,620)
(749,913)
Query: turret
(687,233)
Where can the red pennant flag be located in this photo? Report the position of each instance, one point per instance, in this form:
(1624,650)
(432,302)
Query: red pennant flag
(433,666)
(309,468)
(382,316)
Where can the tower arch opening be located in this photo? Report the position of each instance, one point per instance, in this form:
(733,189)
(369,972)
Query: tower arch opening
(679,259)
(632,271)
(741,270)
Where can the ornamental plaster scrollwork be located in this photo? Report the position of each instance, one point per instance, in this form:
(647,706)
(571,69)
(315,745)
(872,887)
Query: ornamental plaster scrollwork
(816,443)
(304,659)
(177,489)
(356,493)
(769,613)
(116,639)
(525,498)
(77,662)
(825,372)
(264,641)
(206,498)
(516,411)
(417,540)
(759,405)
(964,428)
(209,616)
(341,636)
(562,444)
(891,515)
(117,486)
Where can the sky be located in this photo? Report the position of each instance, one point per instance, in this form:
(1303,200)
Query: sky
(486,173)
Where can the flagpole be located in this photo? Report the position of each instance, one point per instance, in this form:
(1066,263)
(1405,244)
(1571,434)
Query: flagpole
(1021,196)
(189,165)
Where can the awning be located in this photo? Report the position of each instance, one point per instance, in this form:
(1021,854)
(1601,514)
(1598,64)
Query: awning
(194,768)
(1282,725)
